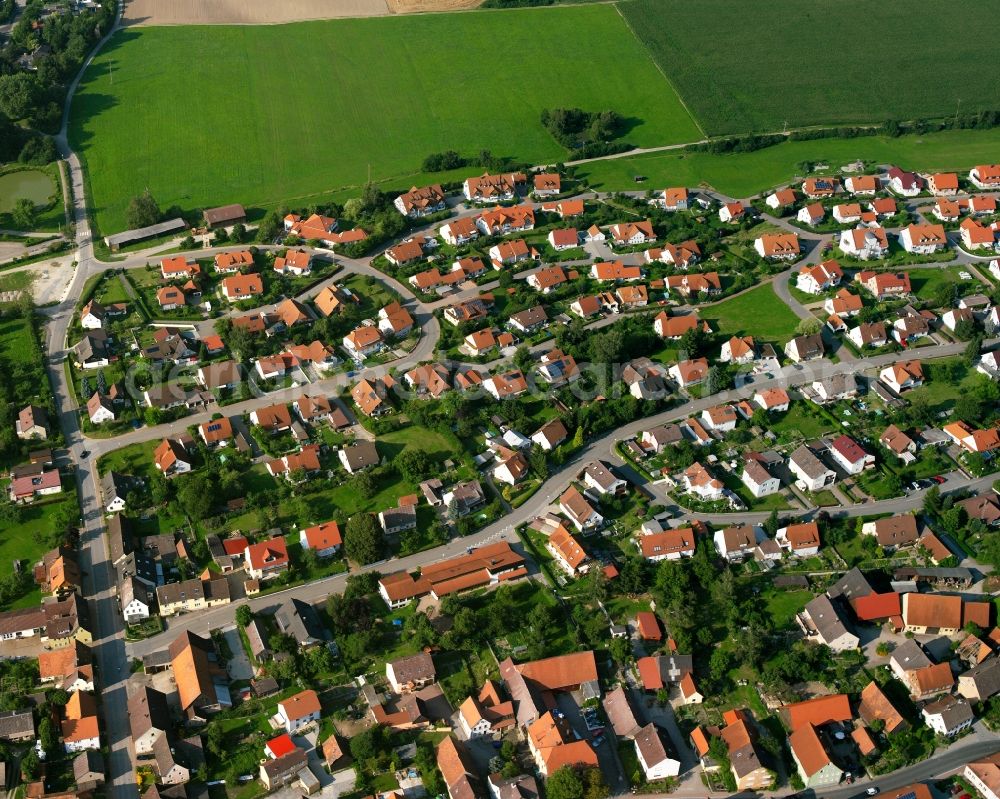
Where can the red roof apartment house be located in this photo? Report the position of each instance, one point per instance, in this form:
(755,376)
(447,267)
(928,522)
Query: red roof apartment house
(503,221)
(422,201)
(884,285)
(801,540)
(494,188)
(323,539)
(985,177)
(293,262)
(866,243)
(298,711)
(459,231)
(849,455)
(819,188)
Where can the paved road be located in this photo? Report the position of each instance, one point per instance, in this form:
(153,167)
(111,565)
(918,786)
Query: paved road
(99,583)
(940,765)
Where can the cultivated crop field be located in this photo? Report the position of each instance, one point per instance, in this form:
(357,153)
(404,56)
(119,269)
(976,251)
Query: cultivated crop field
(245,12)
(755,67)
(204,115)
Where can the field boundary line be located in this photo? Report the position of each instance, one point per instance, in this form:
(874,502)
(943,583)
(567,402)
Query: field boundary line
(659,69)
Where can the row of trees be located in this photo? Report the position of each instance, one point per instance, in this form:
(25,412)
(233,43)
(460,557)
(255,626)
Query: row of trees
(451,159)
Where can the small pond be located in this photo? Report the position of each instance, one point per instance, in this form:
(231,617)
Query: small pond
(34,184)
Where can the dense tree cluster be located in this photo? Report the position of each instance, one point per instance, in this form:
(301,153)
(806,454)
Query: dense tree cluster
(142,211)
(575,128)
(57,45)
(363,540)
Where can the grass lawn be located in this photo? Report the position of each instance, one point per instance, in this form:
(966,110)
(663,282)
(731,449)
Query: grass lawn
(783,605)
(910,74)
(25,379)
(438,446)
(372,294)
(21,541)
(377,93)
(801,421)
(112,290)
(758,313)
(941,391)
(526,595)
(135,459)
(823,499)
(344,501)
(876,483)
(744,174)
(623,609)
(852,550)
(927,282)
(15,338)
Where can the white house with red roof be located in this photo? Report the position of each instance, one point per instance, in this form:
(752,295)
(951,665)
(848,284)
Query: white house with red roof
(985,177)
(298,711)
(812,214)
(850,456)
(266,559)
(865,243)
(819,278)
(732,212)
(923,239)
(563,238)
(630,233)
(323,539)
(363,341)
(459,231)
(26,487)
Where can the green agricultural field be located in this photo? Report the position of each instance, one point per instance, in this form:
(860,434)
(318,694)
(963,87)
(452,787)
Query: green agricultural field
(745,174)
(758,68)
(292,113)
(758,313)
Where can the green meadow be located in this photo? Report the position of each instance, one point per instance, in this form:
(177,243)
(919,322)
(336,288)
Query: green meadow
(274,114)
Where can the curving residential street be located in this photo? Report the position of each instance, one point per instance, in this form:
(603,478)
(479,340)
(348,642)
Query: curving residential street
(111,652)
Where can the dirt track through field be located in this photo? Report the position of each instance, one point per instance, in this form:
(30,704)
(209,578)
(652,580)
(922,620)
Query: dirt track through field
(270,12)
